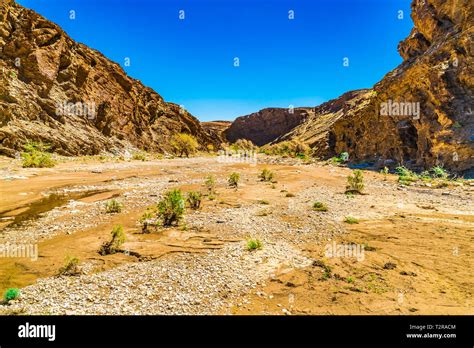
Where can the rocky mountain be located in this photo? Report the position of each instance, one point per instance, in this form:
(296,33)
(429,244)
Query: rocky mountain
(217,128)
(55,90)
(266,125)
(421,114)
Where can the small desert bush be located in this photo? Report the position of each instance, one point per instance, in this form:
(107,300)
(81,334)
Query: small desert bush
(71,266)
(194,199)
(210,184)
(139,156)
(36,156)
(405,175)
(254,244)
(342,158)
(243,144)
(234,179)
(439,172)
(11,294)
(113,206)
(263,201)
(184,144)
(113,246)
(355,183)
(266,175)
(318,206)
(293,148)
(171,208)
(351,220)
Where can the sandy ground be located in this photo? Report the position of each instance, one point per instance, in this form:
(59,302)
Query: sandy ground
(414,253)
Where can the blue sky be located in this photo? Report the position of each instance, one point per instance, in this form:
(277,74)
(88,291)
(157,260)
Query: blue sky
(282,61)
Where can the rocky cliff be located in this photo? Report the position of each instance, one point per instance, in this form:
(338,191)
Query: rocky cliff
(217,129)
(63,93)
(421,114)
(266,125)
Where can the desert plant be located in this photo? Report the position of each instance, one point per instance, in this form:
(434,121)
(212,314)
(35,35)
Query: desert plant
(11,294)
(405,176)
(355,183)
(71,266)
(234,180)
(318,206)
(194,199)
(210,148)
(254,244)
(351,220)
(263,201)
(384,171)
(439,172)
(113,206)
(184,144)
(243,144)
(139,156)
(210,184)
(36,156)
(117,240)
(171,207)
(266,175)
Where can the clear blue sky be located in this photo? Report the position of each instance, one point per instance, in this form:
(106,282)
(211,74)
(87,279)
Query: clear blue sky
(282,62)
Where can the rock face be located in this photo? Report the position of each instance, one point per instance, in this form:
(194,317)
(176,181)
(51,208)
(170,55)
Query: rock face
(217,128)
(63,93)
(266,125)
(421,114)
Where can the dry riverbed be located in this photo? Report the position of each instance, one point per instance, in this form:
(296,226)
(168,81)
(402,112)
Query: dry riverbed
(414,256)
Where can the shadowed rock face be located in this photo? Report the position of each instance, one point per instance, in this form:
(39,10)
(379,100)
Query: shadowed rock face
(41,69)
(437,76)
(266,125)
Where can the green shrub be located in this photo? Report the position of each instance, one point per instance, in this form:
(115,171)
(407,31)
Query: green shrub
(71,266)
(351,220)
(234,179)
(254,244)
(355,183)
(113,206)
(194,199)
(36,156)
(406,176)
(318,206)
(343,157)
(266,175)
(184,144)
(139,156)
(210,184)
(113,246)
(171,208)
(11,294)
(439,172)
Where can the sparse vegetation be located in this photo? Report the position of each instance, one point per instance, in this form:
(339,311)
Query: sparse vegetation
(266,175)
(71,266)
(342,158)
(355,183)
(113,246)
(11,294)
(263,201)
(351,220)
(36,156)
(254,244)
(318,206)
(194,199)
(139,156)
(210,184)
(113,206)
(406,176)
(171,208)
(234,179)
(184,144)
(243,144)
(384,172)
(293,148)
(439,172)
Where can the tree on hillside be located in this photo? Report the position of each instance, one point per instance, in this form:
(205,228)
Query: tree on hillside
(184,144)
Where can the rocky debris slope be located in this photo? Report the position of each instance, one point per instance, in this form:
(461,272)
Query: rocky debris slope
(421,114)
(55,90)
(266,125)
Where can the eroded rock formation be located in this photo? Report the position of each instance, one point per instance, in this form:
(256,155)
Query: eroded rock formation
(42,69)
